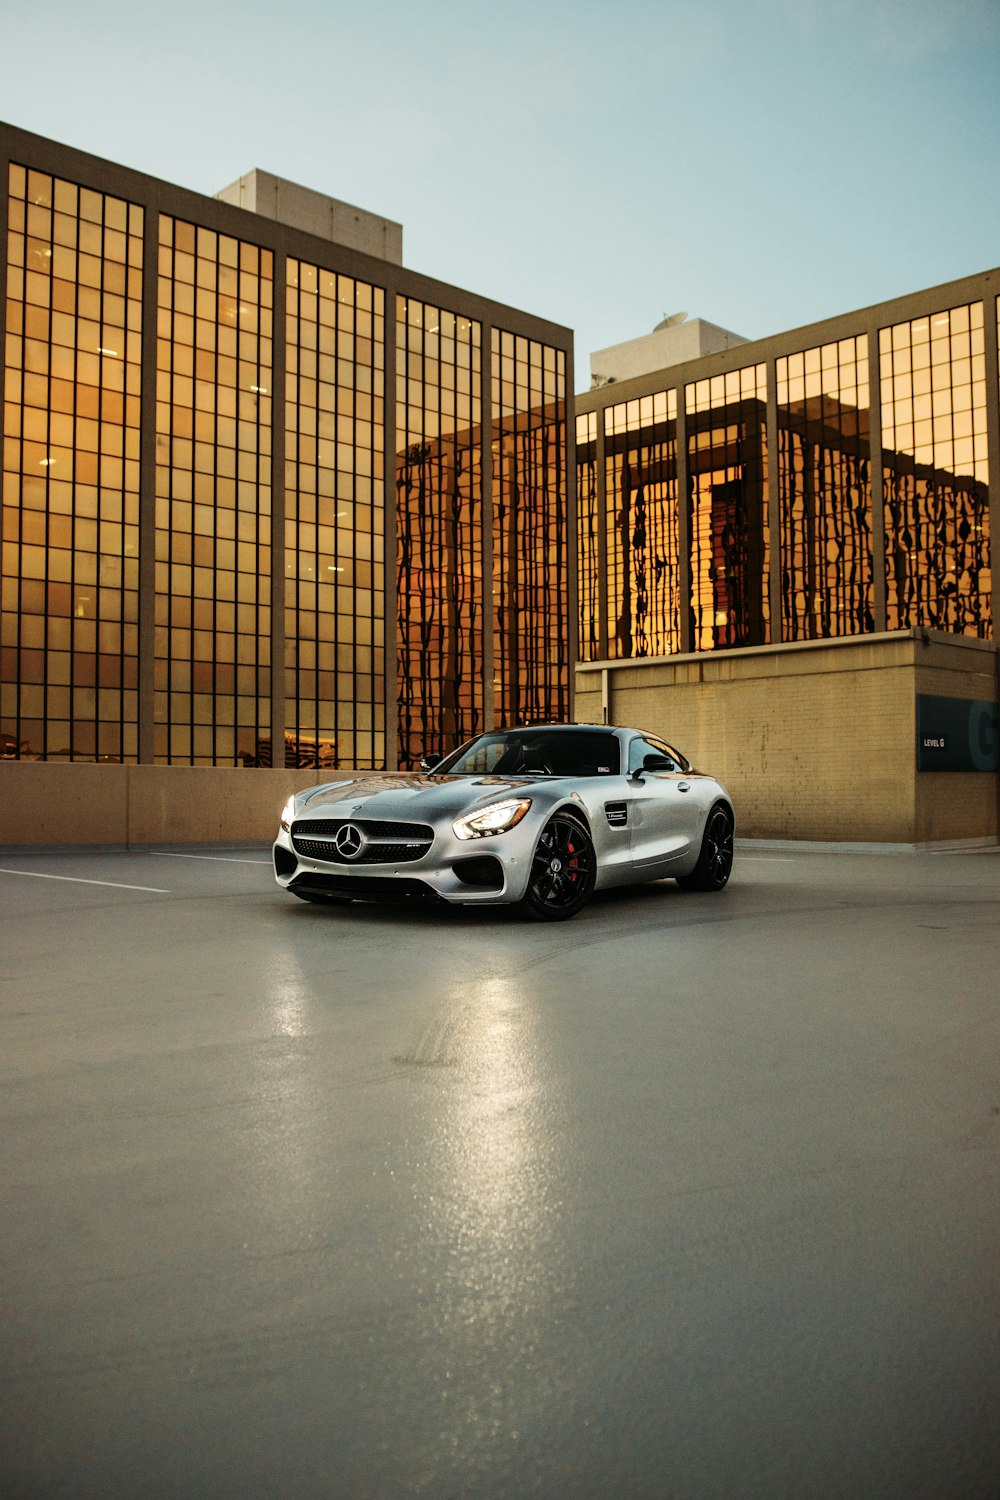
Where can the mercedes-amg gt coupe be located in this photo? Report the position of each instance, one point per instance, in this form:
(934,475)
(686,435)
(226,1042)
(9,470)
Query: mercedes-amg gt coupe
(539,817)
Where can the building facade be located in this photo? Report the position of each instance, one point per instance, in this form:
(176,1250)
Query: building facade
(267,499)
(829,482)
(785,569)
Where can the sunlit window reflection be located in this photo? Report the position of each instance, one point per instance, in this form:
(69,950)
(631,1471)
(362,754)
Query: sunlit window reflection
(824,473)
(69,589)
(439,528)
(588,532)
(530,530)
(334,519)
(933,388)
(727,497)
(495,1143)
(640,448)
(213,497)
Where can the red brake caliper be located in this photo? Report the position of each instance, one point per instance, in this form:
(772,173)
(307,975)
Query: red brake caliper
(573,863)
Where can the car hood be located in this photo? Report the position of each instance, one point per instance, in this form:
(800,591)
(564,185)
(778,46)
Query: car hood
(419,799)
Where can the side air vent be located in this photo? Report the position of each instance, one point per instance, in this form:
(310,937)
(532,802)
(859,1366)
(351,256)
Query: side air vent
(616,814)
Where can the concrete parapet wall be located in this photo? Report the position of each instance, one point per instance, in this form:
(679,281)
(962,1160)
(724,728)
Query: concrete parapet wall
(817,741)
(53,804)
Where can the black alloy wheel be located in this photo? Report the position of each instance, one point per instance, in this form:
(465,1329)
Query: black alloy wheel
(715,862)
(563,871)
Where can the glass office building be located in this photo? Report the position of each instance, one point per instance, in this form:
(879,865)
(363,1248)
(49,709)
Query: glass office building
(832,481)
(266,498)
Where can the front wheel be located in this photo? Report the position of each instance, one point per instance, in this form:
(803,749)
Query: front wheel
(715,862)
(563,871)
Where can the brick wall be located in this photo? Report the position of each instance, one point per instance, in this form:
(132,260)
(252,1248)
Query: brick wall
(816,741)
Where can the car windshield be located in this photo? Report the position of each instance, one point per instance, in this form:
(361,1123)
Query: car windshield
(536,752)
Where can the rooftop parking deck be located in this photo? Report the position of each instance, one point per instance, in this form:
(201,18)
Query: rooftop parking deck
(692,1196)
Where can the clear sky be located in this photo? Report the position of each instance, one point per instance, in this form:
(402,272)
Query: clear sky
(760,164)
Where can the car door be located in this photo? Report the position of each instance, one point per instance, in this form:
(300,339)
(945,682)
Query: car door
(664,808)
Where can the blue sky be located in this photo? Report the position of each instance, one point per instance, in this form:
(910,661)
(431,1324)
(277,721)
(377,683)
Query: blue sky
(761,164)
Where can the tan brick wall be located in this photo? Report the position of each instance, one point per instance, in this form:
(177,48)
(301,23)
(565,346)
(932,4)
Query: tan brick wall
(815,742)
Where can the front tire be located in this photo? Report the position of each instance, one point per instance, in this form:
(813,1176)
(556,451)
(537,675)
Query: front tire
(563,871)
(715,862)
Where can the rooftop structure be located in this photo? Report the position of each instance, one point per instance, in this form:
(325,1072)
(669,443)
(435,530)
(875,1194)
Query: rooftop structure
(673,341)
(315,213)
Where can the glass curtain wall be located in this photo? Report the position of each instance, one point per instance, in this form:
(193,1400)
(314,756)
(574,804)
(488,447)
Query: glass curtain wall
(69,562)
(213,497)
(640,446)
(531,562)
(824,475)
(334,519)
(935,472)
(439,528)
(727,498)
(588,523)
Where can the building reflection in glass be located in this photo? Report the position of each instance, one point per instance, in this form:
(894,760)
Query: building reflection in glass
(824,469)
(640,446)
(439,509)
(588,523)
(935,472)
(213,497)
(727,507)
(929,405)
(334,519)
(531,584)
(69,576)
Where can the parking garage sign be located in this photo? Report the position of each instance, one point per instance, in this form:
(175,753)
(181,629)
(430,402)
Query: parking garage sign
(956,734)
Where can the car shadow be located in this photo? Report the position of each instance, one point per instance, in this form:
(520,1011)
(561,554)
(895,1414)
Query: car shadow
(408,912)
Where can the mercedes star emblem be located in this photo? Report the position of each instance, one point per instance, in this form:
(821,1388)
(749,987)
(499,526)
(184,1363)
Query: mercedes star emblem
(348,841)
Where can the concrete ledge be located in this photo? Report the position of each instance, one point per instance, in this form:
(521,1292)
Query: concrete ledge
(55,805)
(738,654)
(819,846)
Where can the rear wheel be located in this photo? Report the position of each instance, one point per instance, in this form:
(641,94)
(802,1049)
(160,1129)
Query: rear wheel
(563,871)
(715,862)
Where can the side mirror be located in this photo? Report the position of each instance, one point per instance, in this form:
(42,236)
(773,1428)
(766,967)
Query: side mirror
(430,760)
(659,763)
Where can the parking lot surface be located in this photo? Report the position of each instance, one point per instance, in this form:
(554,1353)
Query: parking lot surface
(693,1197)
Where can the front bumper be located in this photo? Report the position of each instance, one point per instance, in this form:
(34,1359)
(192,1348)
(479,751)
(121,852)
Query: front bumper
(478,872)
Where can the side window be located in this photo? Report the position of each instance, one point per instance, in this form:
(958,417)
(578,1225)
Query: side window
(637,752)
(640,748)
(675,755)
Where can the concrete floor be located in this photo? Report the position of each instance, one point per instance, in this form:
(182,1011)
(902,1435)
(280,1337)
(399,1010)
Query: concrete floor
(694,1197)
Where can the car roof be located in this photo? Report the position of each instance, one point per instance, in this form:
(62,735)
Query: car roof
(557,725)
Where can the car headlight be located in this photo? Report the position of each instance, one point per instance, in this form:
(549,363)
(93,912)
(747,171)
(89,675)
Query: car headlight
(497,818)
(287,814)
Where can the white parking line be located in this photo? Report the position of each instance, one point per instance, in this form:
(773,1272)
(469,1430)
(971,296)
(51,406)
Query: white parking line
(156,890)
(222,858)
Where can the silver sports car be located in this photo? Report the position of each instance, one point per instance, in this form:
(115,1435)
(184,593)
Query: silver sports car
(539,817)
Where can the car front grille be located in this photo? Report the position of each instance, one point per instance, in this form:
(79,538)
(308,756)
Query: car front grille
(385,842)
